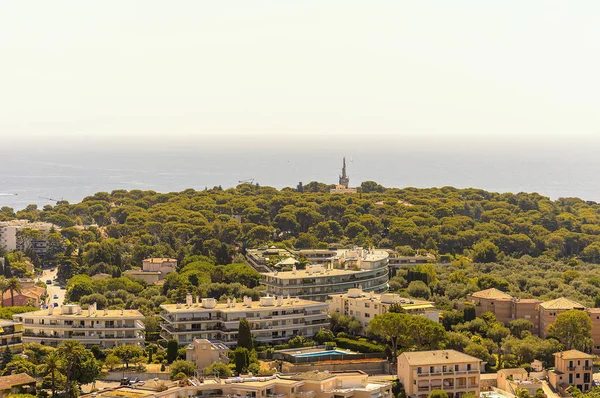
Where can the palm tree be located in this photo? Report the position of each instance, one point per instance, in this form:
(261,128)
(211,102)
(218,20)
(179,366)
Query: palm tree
(14,285)
(3,287)
(51,366)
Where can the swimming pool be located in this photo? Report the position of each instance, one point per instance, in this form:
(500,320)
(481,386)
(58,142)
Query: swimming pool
(324,353)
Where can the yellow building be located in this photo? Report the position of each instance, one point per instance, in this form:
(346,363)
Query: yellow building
(11,335)
(424,371)
(572,368)
(365,306)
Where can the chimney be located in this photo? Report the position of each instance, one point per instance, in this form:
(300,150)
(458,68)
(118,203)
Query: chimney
(294,269)
(280,301)
(197,300)
(228,302)
(188,300)
(50,309)
(105,312)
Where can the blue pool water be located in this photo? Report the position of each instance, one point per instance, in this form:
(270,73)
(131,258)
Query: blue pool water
(320,354)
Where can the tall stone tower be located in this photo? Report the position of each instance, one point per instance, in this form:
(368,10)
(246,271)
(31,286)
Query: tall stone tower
(344,179)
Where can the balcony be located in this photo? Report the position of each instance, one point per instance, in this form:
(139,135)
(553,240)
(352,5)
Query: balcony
(571,368)
(307,394)
(588,367)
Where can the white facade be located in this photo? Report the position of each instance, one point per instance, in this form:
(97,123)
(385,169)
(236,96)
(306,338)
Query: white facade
(9,229)
(365,306)
(272,319)
(336,272)
(105,328)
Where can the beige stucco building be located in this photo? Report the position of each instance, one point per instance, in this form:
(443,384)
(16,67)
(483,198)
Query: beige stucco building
(105,328)
(351,384)
(204,352)
(271,319)
(153,270)
(365,306)
(550,309)
(456,373)
(572,368)
(505,307)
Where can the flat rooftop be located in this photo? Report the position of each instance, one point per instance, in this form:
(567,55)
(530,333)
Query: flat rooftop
(239,306)
(437,357)
(403,301)
(99,314)
(303,273)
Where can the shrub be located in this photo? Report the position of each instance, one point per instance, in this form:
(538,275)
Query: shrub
(360,346)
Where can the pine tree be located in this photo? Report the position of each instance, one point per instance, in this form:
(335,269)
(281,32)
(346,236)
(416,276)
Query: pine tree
(7,357)
(244,334)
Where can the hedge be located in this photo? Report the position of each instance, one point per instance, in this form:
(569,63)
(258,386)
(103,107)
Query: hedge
(357,345)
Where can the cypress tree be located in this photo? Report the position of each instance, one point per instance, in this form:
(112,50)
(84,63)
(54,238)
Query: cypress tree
(7,357)
(244,334)
(7,268)
(172,348)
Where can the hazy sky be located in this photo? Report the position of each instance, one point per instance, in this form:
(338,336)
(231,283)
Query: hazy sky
(193,68)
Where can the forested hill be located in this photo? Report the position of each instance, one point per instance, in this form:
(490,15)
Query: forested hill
(220,223)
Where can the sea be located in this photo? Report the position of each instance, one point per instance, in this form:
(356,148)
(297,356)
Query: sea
(44,174)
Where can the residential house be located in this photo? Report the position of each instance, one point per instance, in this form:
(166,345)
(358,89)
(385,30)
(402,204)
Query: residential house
(20,383)
(204,352)
(27,296)
(572,368)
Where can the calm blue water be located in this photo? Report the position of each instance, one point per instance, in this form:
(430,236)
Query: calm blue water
(320,354)
(72,172)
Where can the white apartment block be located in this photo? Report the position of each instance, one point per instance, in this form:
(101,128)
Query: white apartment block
(365,306)
(9,230)
(105,328)
(348,269)
(456,373)
(272,319)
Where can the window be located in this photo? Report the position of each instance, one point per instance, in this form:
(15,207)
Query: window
(419,371)
(367,315)
(444,368)
(367,305)
(468,366)
(456,368)
(570,364)
(578,362)
(431,369)
(577,376)
(571,378)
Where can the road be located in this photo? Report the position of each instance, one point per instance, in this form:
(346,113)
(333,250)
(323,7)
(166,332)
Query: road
(53,288)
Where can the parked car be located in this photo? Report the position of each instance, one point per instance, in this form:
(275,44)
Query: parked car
(56,297)
(55,305)
(125,381)
(133,380)
(48,282)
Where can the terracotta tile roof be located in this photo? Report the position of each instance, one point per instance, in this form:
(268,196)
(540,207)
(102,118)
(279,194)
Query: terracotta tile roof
(34,292)
(561,304)
(437,357)
(573,354)
(7,382)
(492,293)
